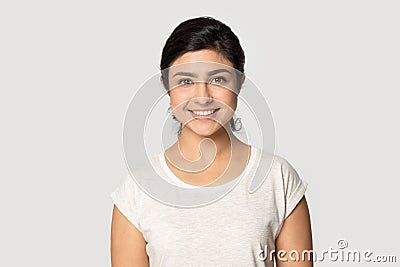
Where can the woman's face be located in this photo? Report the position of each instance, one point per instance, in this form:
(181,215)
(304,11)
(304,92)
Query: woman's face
(203,91)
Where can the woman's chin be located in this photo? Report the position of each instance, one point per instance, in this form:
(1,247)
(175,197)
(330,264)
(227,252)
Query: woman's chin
(204,130)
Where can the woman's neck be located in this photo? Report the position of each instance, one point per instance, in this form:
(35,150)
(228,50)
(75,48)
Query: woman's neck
(219,144)
(210,160)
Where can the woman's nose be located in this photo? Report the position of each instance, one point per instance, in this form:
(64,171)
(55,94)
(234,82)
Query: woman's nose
(202,93)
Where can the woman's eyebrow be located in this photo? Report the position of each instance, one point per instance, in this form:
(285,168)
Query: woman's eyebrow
(213,72)
(183,73)
(210,73)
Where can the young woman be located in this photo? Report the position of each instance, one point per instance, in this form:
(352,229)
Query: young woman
(240,229)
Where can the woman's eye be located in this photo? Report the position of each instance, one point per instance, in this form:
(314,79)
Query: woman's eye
(218,80)
(185,81)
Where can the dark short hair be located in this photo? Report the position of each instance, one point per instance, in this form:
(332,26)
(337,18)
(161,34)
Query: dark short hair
(202,33)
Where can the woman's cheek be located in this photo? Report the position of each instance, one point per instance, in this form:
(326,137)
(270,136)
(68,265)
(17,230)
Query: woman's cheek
(177,99)
(229,99)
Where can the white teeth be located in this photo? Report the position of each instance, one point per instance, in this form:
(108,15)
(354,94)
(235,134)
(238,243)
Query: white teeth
(203,112)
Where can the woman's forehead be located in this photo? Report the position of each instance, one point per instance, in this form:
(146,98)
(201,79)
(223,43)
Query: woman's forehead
(208,55)
(199,69)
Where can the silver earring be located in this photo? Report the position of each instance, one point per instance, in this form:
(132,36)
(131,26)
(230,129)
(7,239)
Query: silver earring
(238,124)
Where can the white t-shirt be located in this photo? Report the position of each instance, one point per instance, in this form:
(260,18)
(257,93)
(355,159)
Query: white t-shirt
(237,230)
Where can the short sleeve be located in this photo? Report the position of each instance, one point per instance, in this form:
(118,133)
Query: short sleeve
(126,199)
(294,187)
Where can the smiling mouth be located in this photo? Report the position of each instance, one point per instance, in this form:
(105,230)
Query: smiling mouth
(204,112)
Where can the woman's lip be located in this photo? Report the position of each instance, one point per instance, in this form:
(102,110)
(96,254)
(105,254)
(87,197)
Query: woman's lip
(203,109)
(199,117)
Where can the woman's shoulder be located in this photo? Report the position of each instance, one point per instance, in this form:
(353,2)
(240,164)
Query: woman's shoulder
(274,160)
(276,166)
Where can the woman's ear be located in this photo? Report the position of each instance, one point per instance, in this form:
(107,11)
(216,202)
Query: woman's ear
(163,83)
(243,78)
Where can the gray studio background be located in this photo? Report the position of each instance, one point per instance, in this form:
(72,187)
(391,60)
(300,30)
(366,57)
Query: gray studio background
(68,69)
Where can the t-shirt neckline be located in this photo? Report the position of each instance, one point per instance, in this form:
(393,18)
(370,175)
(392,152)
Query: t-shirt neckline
(177,181)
